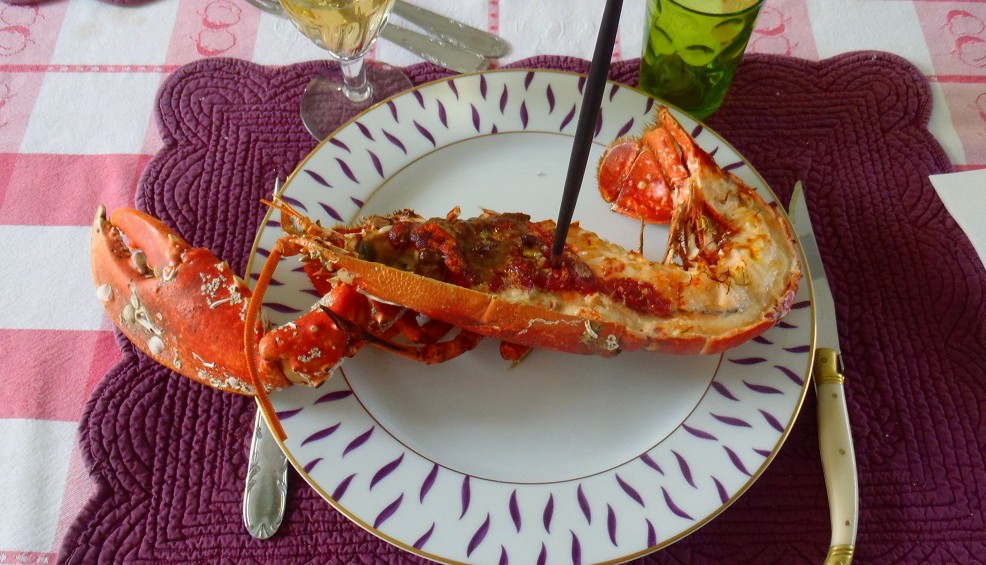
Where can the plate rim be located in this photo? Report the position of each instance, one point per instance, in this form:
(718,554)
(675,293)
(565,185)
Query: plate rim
(806,282)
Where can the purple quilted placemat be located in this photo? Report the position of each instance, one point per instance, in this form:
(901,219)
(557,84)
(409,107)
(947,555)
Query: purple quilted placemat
(169,456)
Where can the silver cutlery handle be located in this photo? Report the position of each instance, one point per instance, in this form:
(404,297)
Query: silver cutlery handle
(838,457)
(266,490)
(435,51)
(452,31)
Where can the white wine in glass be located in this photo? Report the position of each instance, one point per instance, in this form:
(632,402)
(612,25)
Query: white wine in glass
(346,29)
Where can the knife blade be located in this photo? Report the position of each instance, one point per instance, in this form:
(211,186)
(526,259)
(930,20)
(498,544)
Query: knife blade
(435,50)
(452,31)
(451,55)
(834,437)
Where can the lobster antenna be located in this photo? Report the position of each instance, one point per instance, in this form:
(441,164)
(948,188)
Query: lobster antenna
(281,206)
(250,341)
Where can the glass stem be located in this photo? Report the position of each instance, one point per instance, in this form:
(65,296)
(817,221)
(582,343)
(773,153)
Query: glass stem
(355,86)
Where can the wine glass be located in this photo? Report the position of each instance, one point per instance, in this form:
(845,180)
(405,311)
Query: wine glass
(346,29)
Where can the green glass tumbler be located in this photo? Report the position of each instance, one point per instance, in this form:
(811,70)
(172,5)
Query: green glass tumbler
(692,48)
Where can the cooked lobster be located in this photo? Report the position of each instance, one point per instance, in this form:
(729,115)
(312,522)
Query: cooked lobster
(730,272)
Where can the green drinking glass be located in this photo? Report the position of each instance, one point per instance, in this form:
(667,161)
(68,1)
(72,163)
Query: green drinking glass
(692,48)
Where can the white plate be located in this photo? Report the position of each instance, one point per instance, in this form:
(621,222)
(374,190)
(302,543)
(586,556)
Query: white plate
(563,459)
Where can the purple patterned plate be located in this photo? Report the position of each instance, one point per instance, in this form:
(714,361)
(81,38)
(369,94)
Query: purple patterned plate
(562,459)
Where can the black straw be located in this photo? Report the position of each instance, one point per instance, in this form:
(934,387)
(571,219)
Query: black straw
(594,87)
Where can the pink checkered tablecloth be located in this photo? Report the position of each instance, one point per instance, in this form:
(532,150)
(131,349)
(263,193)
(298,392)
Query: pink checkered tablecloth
(77,87)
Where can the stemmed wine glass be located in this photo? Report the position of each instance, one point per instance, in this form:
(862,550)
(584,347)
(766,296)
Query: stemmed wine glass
(346,29)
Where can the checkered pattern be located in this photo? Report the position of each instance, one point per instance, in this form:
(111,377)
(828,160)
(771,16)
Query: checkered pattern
(77,87)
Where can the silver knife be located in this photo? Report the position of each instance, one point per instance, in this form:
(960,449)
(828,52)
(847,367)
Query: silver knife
(266,491)
(834,437)
(435,50)
(444,54)
(452,31)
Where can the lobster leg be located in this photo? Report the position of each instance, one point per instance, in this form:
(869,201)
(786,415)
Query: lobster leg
(309,349)
(442,351)
(698,230)
(513,352)
(296,349)
(428,353)
(407,326)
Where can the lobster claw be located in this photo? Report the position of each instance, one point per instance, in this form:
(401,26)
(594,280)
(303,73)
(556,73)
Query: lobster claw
(180,305)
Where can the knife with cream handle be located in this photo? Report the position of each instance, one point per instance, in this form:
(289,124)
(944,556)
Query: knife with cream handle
(834,437)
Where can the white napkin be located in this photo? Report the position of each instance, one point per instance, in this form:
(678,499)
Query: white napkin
(964,196)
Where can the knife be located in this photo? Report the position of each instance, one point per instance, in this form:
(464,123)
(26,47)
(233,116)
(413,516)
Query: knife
(453,50)
(455,55)
(435,50)
(834,438)
(452,31)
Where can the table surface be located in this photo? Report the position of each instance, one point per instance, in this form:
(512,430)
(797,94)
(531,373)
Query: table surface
(77,88)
